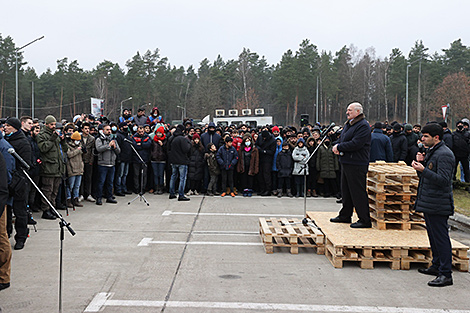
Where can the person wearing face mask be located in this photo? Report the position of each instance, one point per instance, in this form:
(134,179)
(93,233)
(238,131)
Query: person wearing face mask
(74,169)
(154,117)
(266,144)
(114,129)
(461,149)
(124,160)
(248,164)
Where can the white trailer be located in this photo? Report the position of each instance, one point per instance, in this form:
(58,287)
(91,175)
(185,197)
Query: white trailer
(252,121)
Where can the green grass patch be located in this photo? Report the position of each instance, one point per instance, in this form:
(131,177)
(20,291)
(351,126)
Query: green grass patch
(462,201)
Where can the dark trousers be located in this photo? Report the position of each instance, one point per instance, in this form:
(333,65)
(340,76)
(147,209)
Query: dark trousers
(50,188)
(283,181)
(265,166)
(312,178)
(20,198)
(227,175)
(246,181)
(465,164)
(299,184)
(353,187)
(86,180)
(32,191)
(212,186)
(137,167)
(438,233)
(105,182)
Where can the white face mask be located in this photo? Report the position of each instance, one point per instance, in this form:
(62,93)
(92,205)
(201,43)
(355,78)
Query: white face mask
(77,142)
(134,128)
(248,143)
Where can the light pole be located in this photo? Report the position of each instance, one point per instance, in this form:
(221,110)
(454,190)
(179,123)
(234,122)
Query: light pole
(182,113)
(16,72)
(406,102)
(130,98)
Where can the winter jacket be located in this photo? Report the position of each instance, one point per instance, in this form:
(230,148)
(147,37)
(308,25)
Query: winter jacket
(74,160)
(126,151)
(380,147)
(327,162)
(435,184)
(253,168)
(53,153)
(276,152)
(399,146)
(266,147)
(447,138)
(22,147)
(300,156)
(106,154)
(411,138)
(208,138)
(227,158)
(142,145)
(460,143)
(196,162)
(211,159)
(354,142)
(312,164)
(9,159)
(89,143)
(284,164)
(237,142)
(3,185)
(140,121)
(179,148)
(158,152)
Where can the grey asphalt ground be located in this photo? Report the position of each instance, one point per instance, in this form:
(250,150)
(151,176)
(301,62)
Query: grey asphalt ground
(177,270)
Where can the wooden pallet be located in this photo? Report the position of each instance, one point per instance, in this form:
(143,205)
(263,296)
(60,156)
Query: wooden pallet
(391,197)
(366,257)
(405,216)
(290,233)
(394,223)
(393,185)
(395,207)
(460,259)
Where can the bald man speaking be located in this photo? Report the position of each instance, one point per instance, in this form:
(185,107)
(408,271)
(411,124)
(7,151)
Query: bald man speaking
(354,151)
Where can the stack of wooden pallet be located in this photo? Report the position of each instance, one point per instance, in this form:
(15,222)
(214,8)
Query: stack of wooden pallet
(291,233)
(392,189)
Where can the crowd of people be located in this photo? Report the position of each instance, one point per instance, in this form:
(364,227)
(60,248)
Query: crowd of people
(97,160)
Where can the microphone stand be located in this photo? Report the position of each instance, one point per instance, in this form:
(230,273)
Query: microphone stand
(62,223)
(141,193)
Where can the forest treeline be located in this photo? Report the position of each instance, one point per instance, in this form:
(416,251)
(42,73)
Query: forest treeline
(294,86)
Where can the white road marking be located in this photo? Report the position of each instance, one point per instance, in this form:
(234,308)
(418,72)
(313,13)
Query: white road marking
(167,213)
(102,299)
(148,241)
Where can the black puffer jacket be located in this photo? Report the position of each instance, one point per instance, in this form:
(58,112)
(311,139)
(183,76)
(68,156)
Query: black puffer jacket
(126,151)
(266,147)
(284,163)
(399,146)
(354,142)
(178,148)
(196,162)
(460,143)
(435,184)
(22,146)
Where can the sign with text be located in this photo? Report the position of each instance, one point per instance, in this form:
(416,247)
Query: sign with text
(97,107)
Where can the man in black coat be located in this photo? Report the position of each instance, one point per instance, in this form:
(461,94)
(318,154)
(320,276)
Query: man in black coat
(124,159)
(179,147)
(399,144)
(266,144)
(435,200)
(5,248)
(354,151)
(380,146)
(461,148)
(20,185)
(142,144)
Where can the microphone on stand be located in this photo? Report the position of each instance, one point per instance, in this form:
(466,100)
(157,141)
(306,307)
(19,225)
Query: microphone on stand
(127,140)
(327,130)
(17,156)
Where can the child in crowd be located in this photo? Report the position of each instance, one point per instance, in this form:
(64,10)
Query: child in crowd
(274,167)
(214,170)
(248,164)
(158,156)
(300,156)
(227,157)
(284,165)
(327,165)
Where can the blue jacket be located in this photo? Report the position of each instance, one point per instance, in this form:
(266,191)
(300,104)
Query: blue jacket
(354,142)
(227,158)
(435,183)
(278,149)
(380,147)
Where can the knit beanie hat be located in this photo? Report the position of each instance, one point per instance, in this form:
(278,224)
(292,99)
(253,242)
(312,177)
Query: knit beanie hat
(76,136)
(49,119)
(14,122)
(275,128)
(196,136)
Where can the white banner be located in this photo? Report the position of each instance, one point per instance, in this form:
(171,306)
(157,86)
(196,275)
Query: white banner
(97,107)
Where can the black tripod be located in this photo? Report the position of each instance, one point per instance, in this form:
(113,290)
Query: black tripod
(62,223)
(143,167)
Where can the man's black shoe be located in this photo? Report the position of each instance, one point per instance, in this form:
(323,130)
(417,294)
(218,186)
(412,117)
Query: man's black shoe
(441,281)
(60,206)
(127,192)
(340,219)
(48,215)
(172,197)
(183,198)
(31,221)
(339,201)
(99,202)
(4,285)
(265,194)
(360,224)
(119,194)
(429,271)
(19,245)
(111,200)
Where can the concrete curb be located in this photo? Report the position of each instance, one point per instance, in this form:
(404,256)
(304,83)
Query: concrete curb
(460,218)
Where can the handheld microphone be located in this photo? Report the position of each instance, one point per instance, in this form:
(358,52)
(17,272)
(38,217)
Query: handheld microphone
(17,156)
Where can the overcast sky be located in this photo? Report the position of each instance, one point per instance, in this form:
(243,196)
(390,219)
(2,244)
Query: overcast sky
(187,31)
